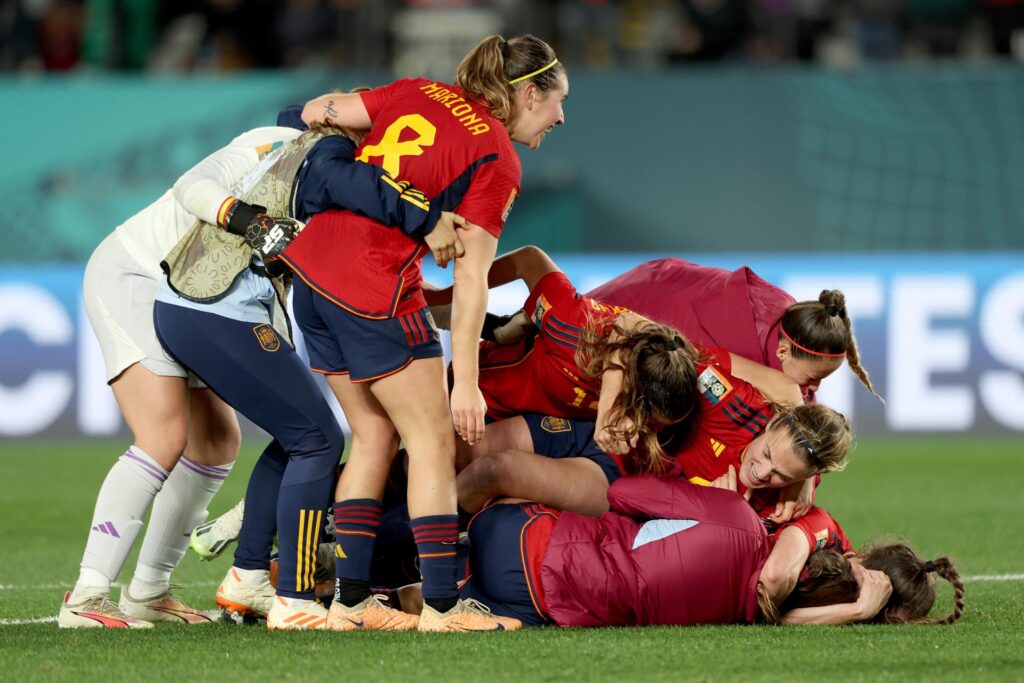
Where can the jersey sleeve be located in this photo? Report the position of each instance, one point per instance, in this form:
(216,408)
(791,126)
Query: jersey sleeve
(332,178)
(291,117)
(554,290)
(822,531)
(491,193)
(207,186)
(374,100)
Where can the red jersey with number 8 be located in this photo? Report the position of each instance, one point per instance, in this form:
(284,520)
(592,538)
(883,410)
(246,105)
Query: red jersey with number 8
(453,151)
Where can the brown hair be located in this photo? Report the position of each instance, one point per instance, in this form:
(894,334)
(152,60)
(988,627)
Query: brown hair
(913,587)
(821,436)
(823,327)
(659,379)
(826,579)
(485,72)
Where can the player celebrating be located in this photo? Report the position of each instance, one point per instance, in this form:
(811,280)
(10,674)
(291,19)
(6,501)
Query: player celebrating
(366,324)
(741,312)
(670,553)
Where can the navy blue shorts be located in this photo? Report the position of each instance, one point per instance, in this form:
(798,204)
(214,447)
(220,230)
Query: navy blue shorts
(561,437)
(506,547)
(339,342)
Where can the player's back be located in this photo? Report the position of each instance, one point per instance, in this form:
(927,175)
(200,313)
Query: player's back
(453,151)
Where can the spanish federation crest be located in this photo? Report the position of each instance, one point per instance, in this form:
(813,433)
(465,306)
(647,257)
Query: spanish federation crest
(555,425)
(267,337)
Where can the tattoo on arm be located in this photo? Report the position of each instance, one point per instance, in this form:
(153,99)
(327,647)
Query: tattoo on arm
(331,111)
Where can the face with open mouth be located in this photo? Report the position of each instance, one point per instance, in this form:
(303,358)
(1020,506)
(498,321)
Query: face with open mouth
(538,112)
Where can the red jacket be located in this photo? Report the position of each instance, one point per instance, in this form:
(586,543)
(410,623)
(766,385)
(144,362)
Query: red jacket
(736,311)
(638,565)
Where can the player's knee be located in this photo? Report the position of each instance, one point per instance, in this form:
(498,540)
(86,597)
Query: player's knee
(164,443)
(223,442)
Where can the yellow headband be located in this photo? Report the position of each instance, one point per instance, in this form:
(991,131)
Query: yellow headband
(535,73)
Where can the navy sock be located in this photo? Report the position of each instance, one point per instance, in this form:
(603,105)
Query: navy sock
(355,529)
(436,537)
(300,516)
(259,525)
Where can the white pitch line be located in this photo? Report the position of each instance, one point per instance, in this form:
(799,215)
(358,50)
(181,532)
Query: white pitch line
(66,586)
(21,622)
(995,577)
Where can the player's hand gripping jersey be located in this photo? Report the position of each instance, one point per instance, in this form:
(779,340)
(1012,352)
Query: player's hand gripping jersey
(544,378)
(731,413)
(460,158)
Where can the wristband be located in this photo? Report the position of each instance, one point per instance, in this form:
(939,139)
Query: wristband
(239,215)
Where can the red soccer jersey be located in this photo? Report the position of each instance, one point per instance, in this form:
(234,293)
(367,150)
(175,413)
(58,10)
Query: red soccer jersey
(821,531)
(453,151)
(731,413)
(544,378)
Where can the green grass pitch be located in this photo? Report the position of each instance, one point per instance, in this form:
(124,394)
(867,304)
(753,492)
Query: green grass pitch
(955,495)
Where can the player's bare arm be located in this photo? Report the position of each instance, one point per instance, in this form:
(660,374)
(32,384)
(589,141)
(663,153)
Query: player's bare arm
(469,306)
(774,385)
(337,109)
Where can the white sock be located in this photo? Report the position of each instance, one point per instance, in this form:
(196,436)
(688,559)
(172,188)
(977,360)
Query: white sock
(178,509)
(124,497)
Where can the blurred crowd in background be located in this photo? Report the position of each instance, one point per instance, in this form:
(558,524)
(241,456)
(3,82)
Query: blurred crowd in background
(429,36)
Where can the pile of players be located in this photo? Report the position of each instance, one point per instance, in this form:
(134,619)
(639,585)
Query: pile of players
(647,453)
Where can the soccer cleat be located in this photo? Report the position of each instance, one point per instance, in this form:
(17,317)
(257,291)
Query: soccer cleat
(212,538)
(294,614)
(372,614)
(95,612)
(246,593)
(467,615)
(165,607)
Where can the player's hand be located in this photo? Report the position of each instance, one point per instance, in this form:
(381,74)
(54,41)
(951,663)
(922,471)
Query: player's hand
(875,589)
(468,409)
(794,501)
(443,240)
(266,235)
(613,443)
(726,481)
(506,329)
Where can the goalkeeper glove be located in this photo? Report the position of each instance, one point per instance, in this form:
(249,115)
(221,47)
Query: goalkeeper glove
(266,235)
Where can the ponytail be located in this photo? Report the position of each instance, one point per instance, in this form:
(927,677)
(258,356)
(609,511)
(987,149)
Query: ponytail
(822,329)
(913,587)
(492,71)
(659,380)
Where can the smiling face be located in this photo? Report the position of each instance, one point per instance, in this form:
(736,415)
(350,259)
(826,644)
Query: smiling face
(807,372)
(538,112)
(772,461)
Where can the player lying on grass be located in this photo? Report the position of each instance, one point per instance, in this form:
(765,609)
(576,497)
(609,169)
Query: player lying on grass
(672,553)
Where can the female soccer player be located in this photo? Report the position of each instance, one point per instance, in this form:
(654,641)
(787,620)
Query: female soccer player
(365,320)
(151,385)
(741,312)
(670,553)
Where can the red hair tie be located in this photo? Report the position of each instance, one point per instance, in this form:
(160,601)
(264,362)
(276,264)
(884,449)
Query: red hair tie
(807,350)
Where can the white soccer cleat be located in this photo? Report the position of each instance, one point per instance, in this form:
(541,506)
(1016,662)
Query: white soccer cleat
(165,607)
(211,539)
(294,614)
(95,612)
(246,592)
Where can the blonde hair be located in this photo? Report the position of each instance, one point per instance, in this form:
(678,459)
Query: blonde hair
(821,436)
(485,73)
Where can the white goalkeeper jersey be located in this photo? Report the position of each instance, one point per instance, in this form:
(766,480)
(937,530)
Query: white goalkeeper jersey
(230,171)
